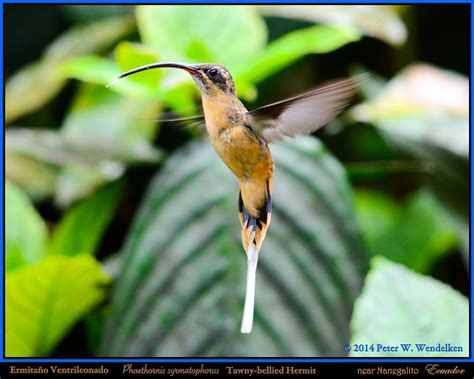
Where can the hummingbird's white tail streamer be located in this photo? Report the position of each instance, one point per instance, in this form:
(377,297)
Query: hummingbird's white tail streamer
(252,260)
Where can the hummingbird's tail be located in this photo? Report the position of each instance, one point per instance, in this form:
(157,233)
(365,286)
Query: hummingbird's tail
(247,318)
(253,234)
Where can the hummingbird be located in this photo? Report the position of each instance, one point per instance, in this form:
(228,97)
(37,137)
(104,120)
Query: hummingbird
(241,138)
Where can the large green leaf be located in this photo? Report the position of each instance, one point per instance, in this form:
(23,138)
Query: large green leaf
(180,291)
(415,233)
(102,71)
(81,228)
(95,69)
(291,46)
(21,92)
(134,55)
(398,306)
(44,301)
(25,231)
(222,34)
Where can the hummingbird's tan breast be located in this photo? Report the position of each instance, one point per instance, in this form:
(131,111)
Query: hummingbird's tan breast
(241,149)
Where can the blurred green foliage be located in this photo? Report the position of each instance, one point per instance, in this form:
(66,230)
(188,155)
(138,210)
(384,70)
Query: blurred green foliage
(21,94)
(415,232)
(424,111)
(80,157)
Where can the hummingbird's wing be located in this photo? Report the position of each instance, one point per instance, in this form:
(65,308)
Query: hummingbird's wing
(198,117)
(189,122)
(305,113)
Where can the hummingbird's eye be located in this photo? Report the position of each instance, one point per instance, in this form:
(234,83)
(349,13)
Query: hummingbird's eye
(212,72)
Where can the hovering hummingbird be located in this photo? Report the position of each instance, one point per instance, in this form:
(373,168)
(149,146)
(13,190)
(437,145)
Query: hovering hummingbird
(241,140)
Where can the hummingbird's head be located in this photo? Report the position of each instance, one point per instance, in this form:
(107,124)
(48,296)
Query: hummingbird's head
(213,80)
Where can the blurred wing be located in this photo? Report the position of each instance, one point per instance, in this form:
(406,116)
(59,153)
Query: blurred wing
(199,117)
(305,113)
(191,122)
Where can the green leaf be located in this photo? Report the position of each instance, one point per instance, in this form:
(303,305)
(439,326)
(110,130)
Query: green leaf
(179,95)
(102,71)
(378,21)
(94,325)
(109,131)
(25,231)
(132,55)
(21,91)
(84,163)
(81,228)
(110,123)
(398,306)
(448,177)
(424,104)
(232,36)
(180,291)
(91,69)
(44,301)
(79,182)
(415,233)
(291,46)
(221,34)
(463,233)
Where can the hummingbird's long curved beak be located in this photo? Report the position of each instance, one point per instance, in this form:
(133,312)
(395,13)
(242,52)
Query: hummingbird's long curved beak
(192,69)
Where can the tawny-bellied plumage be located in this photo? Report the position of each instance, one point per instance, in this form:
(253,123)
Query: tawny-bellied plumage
(241,140)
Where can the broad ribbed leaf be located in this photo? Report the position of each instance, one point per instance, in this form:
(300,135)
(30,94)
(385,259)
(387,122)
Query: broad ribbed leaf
(181,289)
(416,314)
